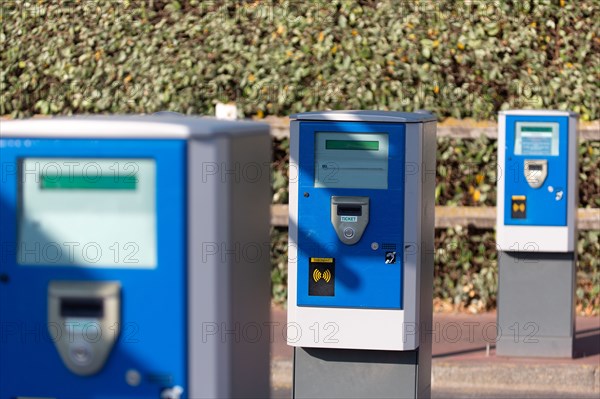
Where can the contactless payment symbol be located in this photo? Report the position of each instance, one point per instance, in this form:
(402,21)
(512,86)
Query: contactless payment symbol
(326,275)
(321,277)
(518,207)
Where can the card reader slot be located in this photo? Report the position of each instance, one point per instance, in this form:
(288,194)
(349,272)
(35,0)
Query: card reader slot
(82,307)
(349,210)
(534,166)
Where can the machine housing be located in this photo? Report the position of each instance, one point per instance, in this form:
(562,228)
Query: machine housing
(361,252)
(135,257)
(548,223)
(536,232)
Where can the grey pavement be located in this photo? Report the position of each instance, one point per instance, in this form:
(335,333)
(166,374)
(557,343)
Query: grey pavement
(465,364)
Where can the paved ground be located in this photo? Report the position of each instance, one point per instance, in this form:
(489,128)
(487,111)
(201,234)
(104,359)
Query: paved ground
(465,363)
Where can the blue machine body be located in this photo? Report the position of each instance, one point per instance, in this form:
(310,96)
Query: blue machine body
(362,277)
(542,208)
(153,332)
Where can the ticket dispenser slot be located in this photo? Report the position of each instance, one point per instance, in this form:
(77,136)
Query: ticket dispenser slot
(536,172)
(349,217)
(85,312)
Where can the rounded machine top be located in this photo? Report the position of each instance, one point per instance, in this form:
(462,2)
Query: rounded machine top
(159,126)
(367,116)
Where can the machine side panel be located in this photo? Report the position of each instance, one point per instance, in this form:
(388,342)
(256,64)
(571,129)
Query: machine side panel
(535,304)
(209,285)
(573,184)
(345,373)
(250,266)
(428,149)
(293,314)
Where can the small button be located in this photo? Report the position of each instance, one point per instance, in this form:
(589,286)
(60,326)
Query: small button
(559,195)
(374,246)
(348,232)
(550,189)
(81,354)
(133,377)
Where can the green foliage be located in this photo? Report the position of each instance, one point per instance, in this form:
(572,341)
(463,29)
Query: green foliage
(466,268)
(280,170)
(466,172)
(277,57)
(279,247)
(460,59)
(588,272)
(589,174)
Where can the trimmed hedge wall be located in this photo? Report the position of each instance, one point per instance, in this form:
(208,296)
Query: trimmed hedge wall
(461,59)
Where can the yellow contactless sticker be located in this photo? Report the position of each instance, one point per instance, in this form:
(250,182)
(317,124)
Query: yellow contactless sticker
(321,260)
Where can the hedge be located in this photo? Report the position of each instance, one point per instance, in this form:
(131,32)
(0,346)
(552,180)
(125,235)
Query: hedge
(460,59)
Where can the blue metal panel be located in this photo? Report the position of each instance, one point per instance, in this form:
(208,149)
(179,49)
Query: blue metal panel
(542,207)
(153,301)
(362,278)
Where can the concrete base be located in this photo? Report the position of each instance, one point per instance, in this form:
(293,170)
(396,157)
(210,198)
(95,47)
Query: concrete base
(344,373)
(536,307)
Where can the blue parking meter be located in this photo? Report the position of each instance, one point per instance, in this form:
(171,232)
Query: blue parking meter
(134,258)
(361,253)
(536,232)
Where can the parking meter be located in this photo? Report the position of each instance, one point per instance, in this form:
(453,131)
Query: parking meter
(361,253)
(134,257)
(536,232)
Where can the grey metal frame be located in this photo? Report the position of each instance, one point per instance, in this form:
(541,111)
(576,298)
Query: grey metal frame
(536,304)
(229,291)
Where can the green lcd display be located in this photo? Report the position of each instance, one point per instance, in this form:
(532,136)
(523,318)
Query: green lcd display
(71,204)
(536,138)
(536,129)
(352,145)
(88,183)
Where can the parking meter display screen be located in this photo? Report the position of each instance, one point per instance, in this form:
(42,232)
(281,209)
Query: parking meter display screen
(536,138)
(351,160)
(87,212)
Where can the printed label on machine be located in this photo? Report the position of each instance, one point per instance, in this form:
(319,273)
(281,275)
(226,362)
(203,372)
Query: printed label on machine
(321,277)
(518,209)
